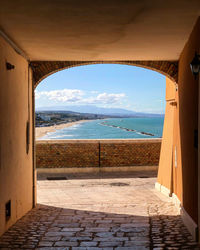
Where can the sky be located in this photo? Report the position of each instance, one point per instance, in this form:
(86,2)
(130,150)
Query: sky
(104,85)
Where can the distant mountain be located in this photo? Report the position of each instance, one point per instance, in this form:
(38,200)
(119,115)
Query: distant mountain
(99,110)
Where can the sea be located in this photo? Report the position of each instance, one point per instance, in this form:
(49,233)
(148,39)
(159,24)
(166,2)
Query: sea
(111,128)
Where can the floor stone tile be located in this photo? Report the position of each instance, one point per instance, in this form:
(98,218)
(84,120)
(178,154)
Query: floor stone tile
(88,214)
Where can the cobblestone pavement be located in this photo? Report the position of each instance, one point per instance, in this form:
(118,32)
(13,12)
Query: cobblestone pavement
(124,212)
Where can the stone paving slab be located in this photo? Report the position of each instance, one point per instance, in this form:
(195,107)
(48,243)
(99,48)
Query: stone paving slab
(122,212)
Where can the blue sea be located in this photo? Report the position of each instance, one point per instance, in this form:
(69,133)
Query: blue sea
(115,128)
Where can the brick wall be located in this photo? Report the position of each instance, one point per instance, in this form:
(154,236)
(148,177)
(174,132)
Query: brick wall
(95,153)
(42,69)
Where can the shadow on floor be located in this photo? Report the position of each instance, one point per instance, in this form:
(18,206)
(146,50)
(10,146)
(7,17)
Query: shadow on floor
(111,175)
(49,227)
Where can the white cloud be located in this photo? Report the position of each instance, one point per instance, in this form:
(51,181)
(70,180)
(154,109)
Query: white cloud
(110,98)
(37,95)
(64,95)
(105,98)
(79,97)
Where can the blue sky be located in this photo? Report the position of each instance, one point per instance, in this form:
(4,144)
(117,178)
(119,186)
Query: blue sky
(104,85)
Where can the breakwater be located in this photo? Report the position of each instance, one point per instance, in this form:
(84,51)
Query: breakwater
(105,123)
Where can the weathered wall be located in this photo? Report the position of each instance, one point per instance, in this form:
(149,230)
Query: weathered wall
(186,122)
(15,163)
(95,153)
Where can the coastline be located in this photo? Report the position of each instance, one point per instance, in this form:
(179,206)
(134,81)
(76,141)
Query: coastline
(42,131)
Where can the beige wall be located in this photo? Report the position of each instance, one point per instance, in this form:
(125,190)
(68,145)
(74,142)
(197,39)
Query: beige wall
(15,164)
(165,163)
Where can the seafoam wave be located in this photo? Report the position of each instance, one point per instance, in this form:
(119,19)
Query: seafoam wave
(73,127)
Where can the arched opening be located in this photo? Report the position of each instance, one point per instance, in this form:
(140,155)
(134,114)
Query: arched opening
(42,69)
(106,155)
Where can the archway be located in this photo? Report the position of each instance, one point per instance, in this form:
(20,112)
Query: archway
(140,76)
(42,69)
(114,183)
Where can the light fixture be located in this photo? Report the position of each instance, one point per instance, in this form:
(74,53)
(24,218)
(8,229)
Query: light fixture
(9,66)
(195,65)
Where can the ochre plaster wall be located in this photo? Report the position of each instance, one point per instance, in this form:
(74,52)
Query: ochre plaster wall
(179,157)
(15,164)
(97,153)
(186,122)
(165,163)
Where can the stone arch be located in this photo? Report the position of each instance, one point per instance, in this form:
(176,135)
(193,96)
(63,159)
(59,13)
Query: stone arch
(42,69)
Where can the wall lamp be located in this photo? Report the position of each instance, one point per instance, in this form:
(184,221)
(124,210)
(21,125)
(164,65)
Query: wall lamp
(195,65)
(9,66)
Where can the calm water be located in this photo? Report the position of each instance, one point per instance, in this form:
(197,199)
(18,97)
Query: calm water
(117,128)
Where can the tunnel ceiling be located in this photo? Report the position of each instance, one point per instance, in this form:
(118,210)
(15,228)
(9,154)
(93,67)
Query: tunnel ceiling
(99,30)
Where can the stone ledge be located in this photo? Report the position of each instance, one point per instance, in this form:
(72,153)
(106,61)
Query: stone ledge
(148,140)
(162,189)
(187,220)
(97,169)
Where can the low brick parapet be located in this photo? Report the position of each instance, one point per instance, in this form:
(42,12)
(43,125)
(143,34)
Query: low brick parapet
(97,153)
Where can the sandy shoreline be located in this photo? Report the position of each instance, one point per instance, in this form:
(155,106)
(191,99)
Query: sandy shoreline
(42,131)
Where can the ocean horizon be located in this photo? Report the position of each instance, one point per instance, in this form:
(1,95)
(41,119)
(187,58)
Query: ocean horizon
(111,128)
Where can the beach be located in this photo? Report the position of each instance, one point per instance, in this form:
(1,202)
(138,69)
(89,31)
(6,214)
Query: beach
(42,131)
(112,128)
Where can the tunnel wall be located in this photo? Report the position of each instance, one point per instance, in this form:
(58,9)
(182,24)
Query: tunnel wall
(178,167)
(15,164)
(186,123)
